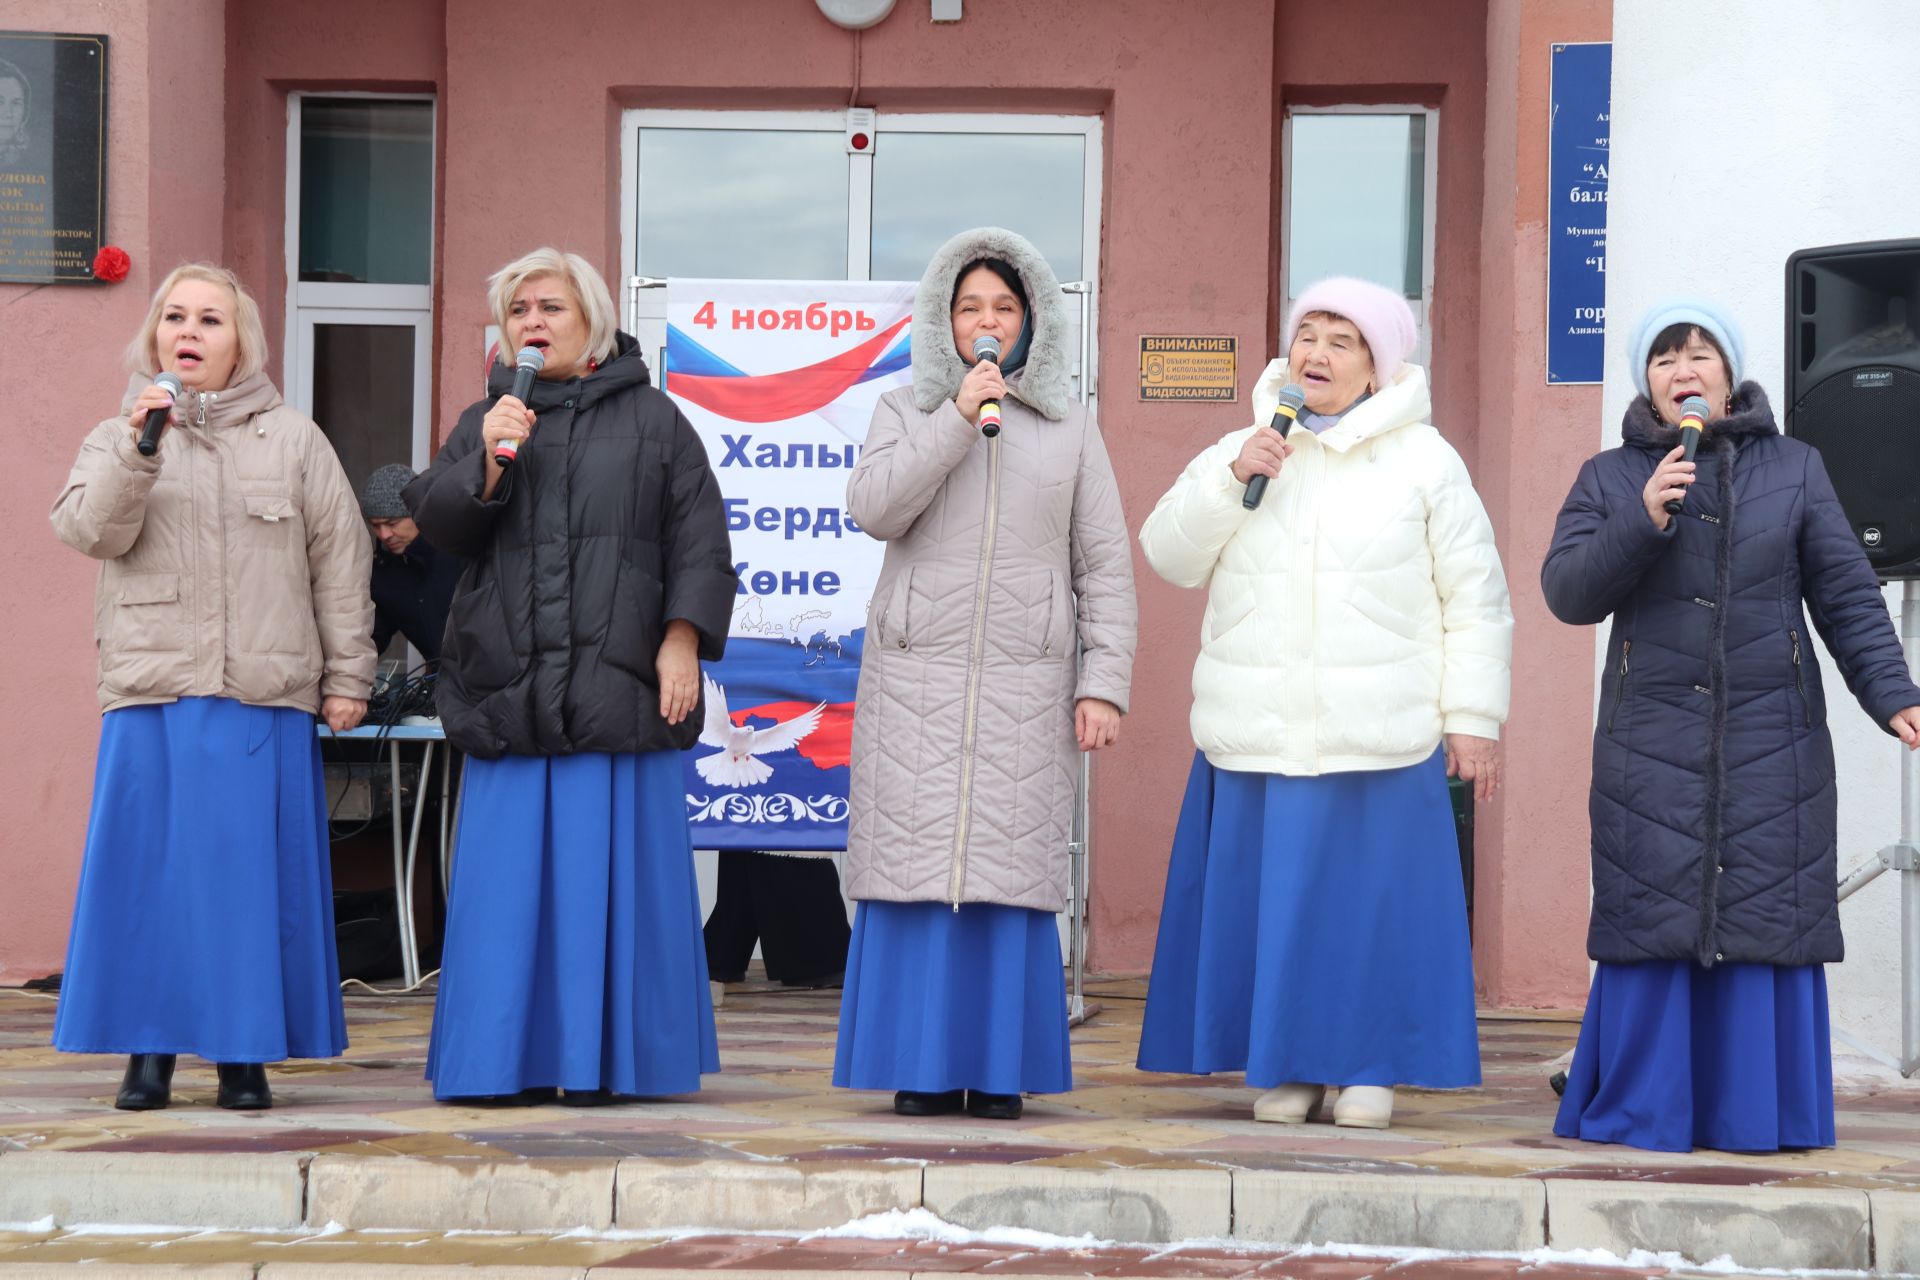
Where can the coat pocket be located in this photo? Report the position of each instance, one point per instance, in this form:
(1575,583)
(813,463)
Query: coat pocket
(478,654)
(1383,615)
(896,624)
(269,592)
(147,617)
(1800,682)
(635,628)
(272,508)
(1620,684)
(1226,616)
(1054,630)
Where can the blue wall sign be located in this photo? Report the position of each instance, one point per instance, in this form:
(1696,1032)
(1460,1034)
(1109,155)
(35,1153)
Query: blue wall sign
(1577,162)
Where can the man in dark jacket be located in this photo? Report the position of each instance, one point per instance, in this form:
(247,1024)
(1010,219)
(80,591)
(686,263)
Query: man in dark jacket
(412,582)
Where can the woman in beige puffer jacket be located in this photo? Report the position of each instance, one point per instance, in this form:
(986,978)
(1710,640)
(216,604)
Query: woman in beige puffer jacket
(232,606)
(999,643)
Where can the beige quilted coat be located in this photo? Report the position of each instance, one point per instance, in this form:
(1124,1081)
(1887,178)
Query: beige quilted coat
(1006,595)
(234,562)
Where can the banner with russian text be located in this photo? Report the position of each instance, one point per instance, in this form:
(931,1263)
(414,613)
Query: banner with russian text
(780,378)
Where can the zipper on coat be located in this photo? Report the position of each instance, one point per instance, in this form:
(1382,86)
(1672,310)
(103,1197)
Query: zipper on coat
(1620,689)
(970,732)
(1800,681)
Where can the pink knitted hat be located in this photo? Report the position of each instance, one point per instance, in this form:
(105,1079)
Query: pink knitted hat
(1382,316)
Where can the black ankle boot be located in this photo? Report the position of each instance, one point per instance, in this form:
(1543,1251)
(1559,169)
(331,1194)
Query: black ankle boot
(909,1102)
(541,1096)
(993,1106)
(243,1086)
(148,1085)
(590,1098)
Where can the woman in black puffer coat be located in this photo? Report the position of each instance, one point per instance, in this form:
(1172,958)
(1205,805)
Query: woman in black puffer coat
(600,575)
(1713,803)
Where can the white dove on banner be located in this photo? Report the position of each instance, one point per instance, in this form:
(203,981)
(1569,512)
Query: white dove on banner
(737,763)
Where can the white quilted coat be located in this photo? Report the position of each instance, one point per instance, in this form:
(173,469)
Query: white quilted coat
(1359,612)
(1006,594)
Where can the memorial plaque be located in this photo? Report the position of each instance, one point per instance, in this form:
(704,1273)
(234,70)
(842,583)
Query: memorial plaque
(53,155)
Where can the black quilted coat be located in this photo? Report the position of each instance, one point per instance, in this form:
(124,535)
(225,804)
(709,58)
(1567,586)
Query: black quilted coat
(1713,804)
(609,526)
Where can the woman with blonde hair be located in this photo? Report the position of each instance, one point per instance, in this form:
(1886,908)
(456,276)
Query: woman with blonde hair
(231,608)
(600,575)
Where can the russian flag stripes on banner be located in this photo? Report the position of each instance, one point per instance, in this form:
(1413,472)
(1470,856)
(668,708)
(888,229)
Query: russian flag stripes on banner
(780,378)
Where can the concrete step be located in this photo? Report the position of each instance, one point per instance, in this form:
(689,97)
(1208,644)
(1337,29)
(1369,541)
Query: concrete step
(1825,1227)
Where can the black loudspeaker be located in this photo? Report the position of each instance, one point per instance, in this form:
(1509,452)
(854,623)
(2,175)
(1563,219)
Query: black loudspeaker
(1853,387)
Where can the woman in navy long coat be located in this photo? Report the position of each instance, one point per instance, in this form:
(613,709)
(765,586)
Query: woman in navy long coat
(1713,803)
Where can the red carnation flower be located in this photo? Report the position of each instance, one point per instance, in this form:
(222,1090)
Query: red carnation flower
(111,264)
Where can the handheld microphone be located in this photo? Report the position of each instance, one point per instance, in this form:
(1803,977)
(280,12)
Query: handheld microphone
(1693,420)
(1293,398)
(156,419)
(987,347)
(525,365)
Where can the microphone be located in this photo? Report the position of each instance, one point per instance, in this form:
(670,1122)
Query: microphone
(987,347)
(156,419)
(1293,398)
(525,365)
(1693,420)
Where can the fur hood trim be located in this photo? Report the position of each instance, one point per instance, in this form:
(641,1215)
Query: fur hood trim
(1042,383)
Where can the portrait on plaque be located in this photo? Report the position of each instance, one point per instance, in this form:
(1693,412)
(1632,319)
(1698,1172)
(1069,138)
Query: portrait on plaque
(53,176)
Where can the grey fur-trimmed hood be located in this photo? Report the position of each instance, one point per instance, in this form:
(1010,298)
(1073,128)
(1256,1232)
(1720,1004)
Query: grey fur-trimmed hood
(937,367)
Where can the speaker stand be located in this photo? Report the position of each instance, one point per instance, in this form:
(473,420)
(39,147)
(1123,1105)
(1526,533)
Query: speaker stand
(1906,855)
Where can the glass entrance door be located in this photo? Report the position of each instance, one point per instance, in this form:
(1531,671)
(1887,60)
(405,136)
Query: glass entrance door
(780,195)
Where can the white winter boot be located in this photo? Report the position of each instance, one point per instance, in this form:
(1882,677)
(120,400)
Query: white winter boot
(1364,1106)
(1291,1103)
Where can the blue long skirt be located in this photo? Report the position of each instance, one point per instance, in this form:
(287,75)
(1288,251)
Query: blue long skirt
(1672,1056)
(204,921)
(938,999)
(573,955)
(1315,929)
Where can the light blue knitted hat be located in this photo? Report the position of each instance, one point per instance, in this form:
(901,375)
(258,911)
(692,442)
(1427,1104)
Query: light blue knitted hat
(1712,319)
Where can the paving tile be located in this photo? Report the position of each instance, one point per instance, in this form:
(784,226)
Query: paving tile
(1194,1262)
(1454,1269)
(1324,1267)
(12,1270)
(701,1253)
(373,1270)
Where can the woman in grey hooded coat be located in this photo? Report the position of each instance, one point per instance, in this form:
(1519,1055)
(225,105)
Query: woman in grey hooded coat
(999,642)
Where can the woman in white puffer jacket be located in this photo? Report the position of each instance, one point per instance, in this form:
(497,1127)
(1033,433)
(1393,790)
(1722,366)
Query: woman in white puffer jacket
(1354,655)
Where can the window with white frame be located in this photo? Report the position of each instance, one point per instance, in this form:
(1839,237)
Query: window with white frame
(360,273)
(782,195)
(1358,187)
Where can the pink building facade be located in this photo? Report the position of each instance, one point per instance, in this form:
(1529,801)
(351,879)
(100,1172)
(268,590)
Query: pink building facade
(1199,127)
